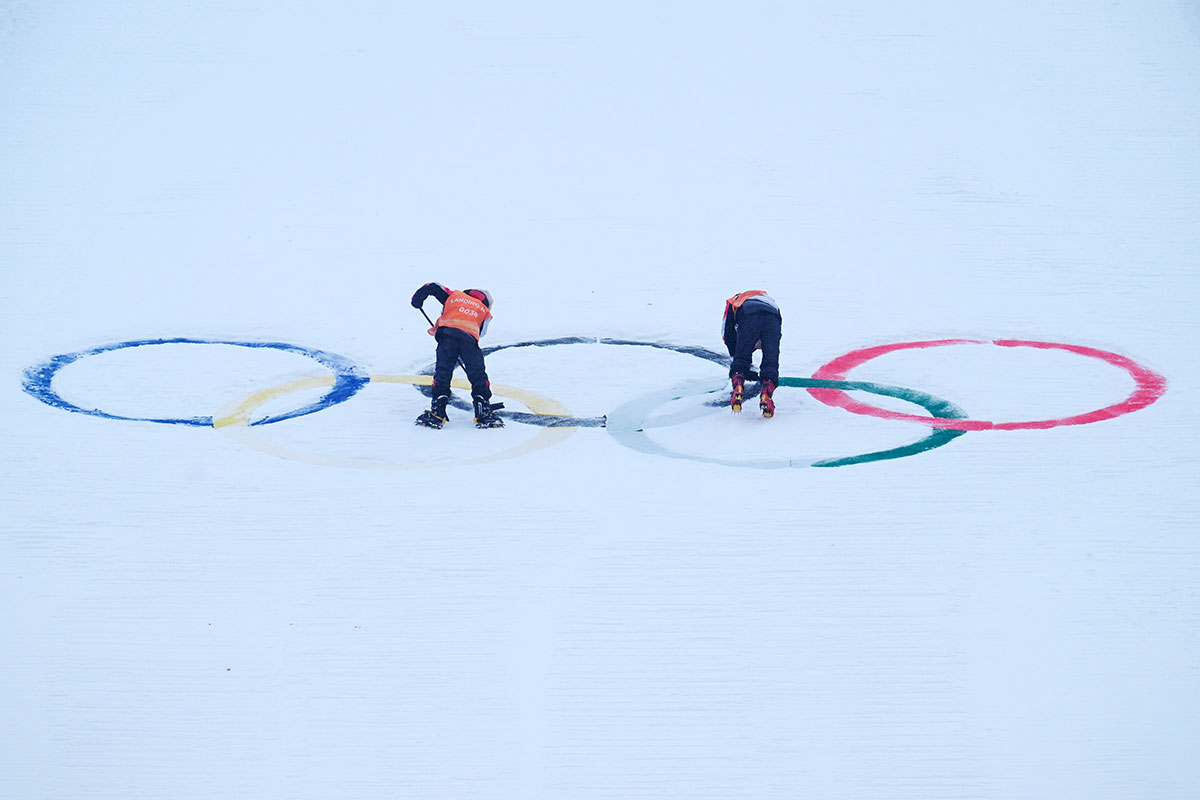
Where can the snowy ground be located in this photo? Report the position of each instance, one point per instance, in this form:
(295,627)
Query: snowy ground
(343,605)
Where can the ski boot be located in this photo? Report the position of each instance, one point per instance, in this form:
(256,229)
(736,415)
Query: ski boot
(766,401)
(435,417)
(739,392)
(485,413)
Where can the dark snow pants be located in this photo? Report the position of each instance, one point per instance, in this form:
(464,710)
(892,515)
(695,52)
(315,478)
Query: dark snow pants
(764,327)
(453,344)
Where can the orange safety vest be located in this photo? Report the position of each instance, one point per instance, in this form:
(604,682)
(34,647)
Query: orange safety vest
(736,301)
(741,297)
(463,312)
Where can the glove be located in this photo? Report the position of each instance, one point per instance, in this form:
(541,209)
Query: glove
(751,375)
(417,301)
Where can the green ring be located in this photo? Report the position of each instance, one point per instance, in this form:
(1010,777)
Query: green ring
(627,424)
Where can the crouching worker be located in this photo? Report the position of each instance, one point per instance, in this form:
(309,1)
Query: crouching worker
(752,322)
(464,319)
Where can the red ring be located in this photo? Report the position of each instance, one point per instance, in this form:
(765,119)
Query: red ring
(1150,386)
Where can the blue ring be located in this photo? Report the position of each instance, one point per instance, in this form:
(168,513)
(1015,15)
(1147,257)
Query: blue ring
(349,379)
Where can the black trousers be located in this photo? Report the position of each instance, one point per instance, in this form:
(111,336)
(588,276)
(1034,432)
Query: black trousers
(452,345)
(764,327)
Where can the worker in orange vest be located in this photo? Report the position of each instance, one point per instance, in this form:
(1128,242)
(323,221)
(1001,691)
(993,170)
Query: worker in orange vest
(752,322)
(463,321)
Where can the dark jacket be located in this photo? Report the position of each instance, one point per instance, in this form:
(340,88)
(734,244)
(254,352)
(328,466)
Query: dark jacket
(759,304)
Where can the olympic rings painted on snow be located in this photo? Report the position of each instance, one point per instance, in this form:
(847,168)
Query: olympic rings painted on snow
(345,382)
(1149,386)
(828,385)
(235,419)
(628,423)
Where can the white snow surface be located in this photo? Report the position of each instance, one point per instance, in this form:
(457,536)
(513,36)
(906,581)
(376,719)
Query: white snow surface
(343,605)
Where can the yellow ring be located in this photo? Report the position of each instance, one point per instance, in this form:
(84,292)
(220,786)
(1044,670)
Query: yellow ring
(235,419)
